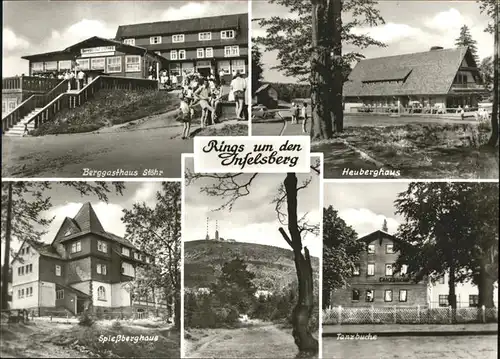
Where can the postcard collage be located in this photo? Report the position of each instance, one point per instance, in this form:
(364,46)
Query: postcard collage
(250,179)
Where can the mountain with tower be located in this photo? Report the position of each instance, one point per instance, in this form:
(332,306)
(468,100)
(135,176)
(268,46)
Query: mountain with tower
(216,237)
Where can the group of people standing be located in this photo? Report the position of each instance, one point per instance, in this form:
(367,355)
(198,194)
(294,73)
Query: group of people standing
(208,93)
(300,113)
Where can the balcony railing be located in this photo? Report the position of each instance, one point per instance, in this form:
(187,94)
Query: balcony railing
(468,86)
(28,84)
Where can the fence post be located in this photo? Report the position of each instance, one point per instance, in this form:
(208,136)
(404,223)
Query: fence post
(340,314)
(418,313)
(483,314)
(449,315)
(395,315)
(371,314)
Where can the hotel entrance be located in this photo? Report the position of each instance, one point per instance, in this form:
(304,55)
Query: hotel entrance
(204,68)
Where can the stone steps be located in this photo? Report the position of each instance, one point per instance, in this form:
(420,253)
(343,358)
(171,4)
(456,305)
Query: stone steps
(18,129)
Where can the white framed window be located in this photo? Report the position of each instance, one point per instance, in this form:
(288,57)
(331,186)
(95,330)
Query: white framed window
(60,294)
(204,36)
(178,38)
(129,42)
(37,66)
(29,268)
(173,55)
(128,269)
(200,53)
(51,66)
(137,256)
(147,259)
(230,51)
(101,293)
(22,293)
(83,64)
(97,63)
(238,66)
(403,294)
(370,269)
(153,40)
(370,295)
(102,269)
(66,64)
(389,269)
(132,63)
(389,248)
(371,248)
(388,295)
(182,54)
(113,64)
(76,247)
(58,270)
(355,271)
(126,251)
(225,66)
(209,52)
(29,291)
(404,269)
(102,246)
(27,250)
(227,34)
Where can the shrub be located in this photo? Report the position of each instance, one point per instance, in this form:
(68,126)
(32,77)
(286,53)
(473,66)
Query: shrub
(86,319)
(116,325)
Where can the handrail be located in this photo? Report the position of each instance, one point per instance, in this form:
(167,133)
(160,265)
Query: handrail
(76,99)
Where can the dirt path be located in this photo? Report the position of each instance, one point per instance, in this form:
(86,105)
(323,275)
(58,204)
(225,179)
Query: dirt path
(259,341)
(31,341)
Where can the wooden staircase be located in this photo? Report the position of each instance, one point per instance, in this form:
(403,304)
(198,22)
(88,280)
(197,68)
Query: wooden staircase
(39,109)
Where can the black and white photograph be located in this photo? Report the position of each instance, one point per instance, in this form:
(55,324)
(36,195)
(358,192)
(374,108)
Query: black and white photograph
(385,89)
(251,264)
(119,88)
(91,270)
(410,270)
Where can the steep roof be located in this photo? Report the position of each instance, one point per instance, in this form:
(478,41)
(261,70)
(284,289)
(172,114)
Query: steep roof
(87,220)
(424,73)
(233,21)
(378,235)
(46,250)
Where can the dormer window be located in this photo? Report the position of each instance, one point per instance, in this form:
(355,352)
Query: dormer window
(129,42)
(227,34)
(153,40)
(126,251)
(178,38)
(76,247)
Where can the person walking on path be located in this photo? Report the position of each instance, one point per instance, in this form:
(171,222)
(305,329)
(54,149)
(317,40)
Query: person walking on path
(304,117)
(238,87)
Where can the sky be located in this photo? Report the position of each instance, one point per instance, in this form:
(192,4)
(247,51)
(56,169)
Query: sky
(54,25)
(365,213)
(66,202)
(410,26)
(253,218)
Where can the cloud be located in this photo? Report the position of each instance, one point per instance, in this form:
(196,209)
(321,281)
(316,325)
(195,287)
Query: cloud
(390,32)
(450,19)
(13,42)
(192,10)
(365,221)
(146,192)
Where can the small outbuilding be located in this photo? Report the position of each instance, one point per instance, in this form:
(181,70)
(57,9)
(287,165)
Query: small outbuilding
(266,95)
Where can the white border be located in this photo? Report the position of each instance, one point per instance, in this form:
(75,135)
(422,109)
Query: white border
(320,281)
(184,156)
(92,179)
(249,72)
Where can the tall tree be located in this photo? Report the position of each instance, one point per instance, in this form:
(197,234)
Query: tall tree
(451,228)
(491,8)
(487,72)
(341,251)
(465,39)
(23,207)
(309,46)
(231,187)
(257,68)
(157,230)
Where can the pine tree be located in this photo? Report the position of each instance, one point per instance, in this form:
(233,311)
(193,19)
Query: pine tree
(257,68)
(465,39)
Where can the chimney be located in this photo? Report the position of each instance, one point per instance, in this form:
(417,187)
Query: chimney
(435,48)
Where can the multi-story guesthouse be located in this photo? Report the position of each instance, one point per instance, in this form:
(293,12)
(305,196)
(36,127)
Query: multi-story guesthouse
(84,268)
(217,44)
(375,282)
(439,78)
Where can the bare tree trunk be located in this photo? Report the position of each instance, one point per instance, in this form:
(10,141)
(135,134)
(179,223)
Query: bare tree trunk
(320,79)
(496,85)
(338,78)
(6,258)
(303,310)
(452,297)
(485,285)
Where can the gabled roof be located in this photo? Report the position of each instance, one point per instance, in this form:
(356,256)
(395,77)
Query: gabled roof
(424,73)
(87,219)
(229,22)
(378,235)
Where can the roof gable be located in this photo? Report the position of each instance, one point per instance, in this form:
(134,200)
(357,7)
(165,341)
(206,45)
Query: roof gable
(87,220)
(427,73)
(378,235)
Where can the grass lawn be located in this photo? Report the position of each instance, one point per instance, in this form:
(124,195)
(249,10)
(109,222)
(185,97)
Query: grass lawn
(237,129)
(417,150)
(107,108)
